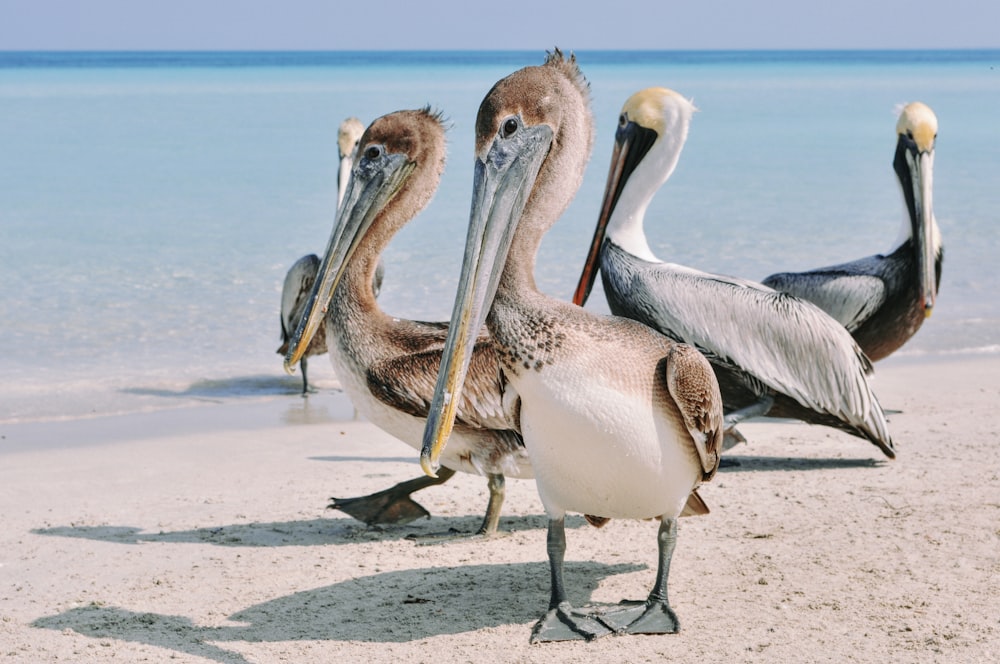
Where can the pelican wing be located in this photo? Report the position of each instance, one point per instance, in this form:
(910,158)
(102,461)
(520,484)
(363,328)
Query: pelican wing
(848,297)
(488,401)
(785,343)
(691,382)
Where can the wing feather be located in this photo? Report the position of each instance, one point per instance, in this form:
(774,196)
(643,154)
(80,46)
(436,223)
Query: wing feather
(488,401)
(295,292)
(848,298)
(691,382)
(786,343)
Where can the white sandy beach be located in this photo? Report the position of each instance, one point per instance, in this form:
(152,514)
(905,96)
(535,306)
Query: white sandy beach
(201,535)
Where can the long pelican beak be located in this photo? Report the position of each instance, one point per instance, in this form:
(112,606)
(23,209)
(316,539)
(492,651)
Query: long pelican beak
(370,187)
(632,142)
(915,169)
(501,186)
(923,181)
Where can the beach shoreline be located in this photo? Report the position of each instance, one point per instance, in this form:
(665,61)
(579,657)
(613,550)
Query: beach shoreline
(200,534)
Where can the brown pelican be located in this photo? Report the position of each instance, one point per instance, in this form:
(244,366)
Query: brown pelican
(300,278)
(388,365)
(772,353)
(883,299)
(617,419)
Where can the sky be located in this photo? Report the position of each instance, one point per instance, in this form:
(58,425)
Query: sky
(471,24)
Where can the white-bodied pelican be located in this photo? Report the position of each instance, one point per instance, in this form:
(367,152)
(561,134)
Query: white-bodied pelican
(883,299)
(773,354)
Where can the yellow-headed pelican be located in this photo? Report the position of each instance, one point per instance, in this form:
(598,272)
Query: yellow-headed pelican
(618,420)
(883,299)
(388,365)
(773,354)
(300,278)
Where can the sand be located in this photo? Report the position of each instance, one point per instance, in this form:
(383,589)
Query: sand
(201,535)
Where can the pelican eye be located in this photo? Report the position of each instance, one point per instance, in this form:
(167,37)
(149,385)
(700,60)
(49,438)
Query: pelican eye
(373,152)
(509,127)
(622,120)
(909,134)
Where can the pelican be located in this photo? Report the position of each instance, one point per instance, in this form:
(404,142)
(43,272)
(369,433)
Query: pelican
(883,299)
(300,278)
(388,365)
(773,354)
(617,419)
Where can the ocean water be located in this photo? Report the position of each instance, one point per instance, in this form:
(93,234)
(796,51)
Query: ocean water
(151,203)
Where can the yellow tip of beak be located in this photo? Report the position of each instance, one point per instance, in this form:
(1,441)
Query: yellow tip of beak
(927,312)
(428,466)
(289,368)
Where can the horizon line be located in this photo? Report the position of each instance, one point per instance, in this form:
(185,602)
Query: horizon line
(498,50)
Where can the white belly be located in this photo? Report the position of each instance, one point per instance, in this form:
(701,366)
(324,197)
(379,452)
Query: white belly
(603,452)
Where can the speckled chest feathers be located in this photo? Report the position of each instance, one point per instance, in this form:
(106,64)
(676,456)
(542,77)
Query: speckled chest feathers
(525,342)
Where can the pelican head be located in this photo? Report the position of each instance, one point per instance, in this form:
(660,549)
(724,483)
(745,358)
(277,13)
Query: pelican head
(348,137)
(652,128)
(916,133)
(400,158)
(534,133)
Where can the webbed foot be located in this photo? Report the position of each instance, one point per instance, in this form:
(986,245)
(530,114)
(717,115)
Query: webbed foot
(564,623)
(382,508)
(732,437)
(649,617)
(392,505)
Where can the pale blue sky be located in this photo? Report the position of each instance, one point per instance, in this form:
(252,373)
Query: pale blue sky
(468,24)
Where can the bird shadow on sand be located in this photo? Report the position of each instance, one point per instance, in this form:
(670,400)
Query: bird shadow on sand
(389,607)
(744,463)
(312,532)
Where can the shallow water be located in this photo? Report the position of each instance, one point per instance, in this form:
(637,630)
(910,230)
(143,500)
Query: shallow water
(150,204)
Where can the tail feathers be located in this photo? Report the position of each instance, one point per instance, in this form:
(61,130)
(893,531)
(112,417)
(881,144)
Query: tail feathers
(596,521)
(876,429)
(695,506)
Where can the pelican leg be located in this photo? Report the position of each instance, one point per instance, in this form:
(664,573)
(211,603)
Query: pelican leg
(305,381)
(562,622)
(491,520)
(758,409)
(497,486)
(731,437)
(654,616)
(392,505)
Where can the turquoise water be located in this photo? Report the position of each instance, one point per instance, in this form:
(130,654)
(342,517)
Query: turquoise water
(151,203)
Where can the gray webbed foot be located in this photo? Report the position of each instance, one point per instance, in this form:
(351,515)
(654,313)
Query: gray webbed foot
(392,505)
(649,617)
(382,508)
(564,623)
(731,437)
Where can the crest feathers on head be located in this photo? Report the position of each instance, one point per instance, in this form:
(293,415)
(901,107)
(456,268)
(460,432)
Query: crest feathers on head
(569,67)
